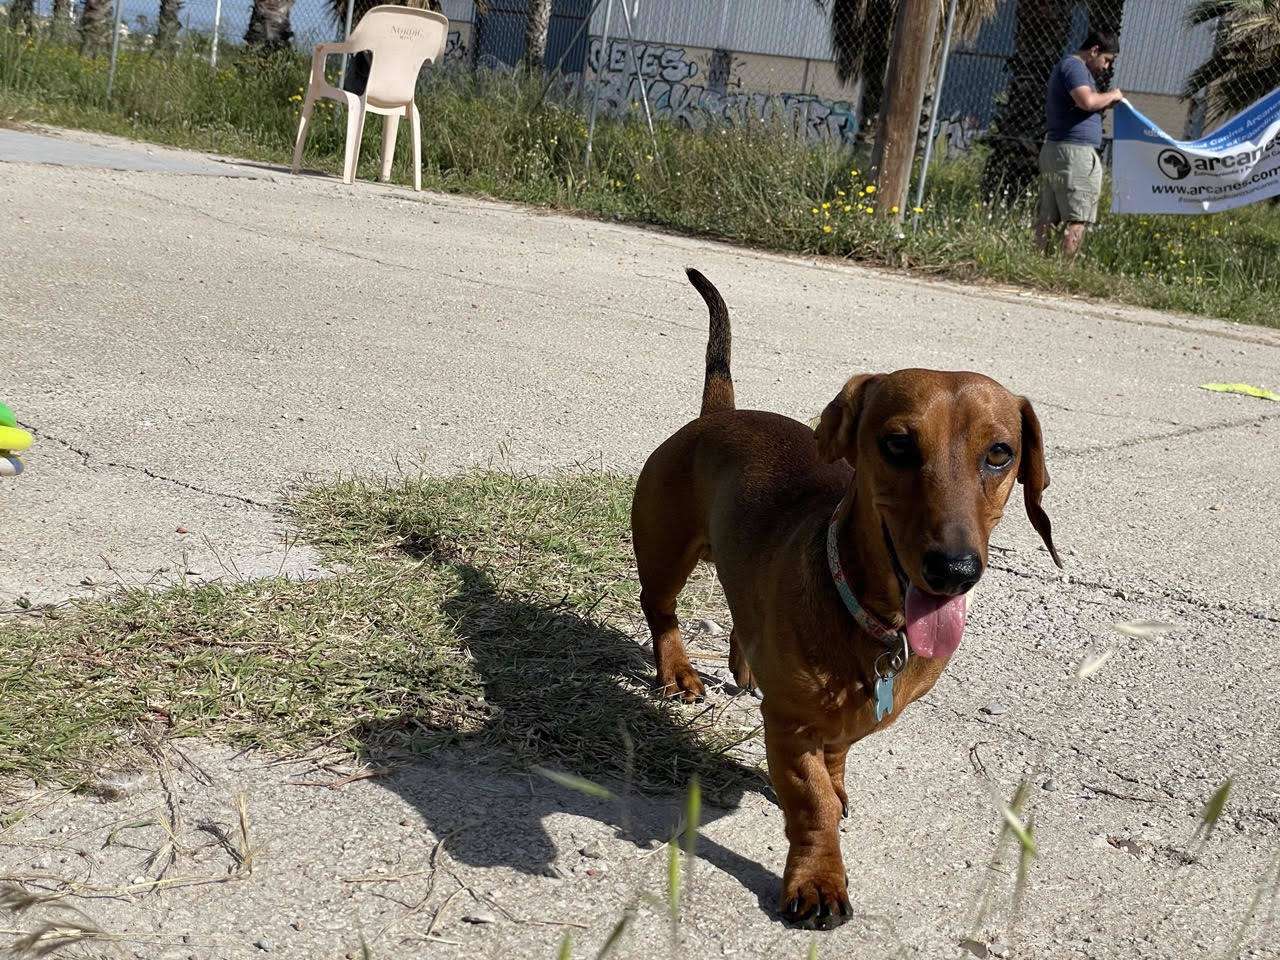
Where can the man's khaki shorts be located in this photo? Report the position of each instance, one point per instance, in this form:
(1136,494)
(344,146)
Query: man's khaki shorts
(1070,182)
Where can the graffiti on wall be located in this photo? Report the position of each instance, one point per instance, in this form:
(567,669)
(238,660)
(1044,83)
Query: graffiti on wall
(677,91)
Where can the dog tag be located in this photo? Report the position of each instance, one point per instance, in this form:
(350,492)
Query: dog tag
(884,697)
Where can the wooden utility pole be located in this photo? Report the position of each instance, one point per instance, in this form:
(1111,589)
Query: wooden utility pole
(905,82)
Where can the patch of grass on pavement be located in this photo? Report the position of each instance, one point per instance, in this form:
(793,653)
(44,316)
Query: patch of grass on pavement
(754,183)
(489,609)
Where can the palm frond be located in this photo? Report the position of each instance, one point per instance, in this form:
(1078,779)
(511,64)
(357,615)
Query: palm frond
(1245,62)
(970,16)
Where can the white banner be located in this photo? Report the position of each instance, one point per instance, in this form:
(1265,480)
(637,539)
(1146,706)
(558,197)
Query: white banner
(1238,163)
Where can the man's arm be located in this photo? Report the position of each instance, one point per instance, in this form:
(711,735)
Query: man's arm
(1091,100)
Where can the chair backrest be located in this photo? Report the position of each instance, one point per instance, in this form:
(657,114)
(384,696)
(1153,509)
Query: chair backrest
(400,39)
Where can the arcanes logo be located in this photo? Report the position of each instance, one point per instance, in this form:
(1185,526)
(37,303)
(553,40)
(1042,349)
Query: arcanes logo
(1173,164)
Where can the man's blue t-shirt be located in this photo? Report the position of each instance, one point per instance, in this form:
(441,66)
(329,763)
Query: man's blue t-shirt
(1067,122)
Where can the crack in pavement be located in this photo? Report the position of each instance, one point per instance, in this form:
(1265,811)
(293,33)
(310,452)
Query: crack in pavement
(86,457)
(1190,803)
(1130,592)
(1047,744)
(1187,431)
(1103,414)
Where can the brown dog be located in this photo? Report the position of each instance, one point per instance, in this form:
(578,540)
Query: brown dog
(845,554)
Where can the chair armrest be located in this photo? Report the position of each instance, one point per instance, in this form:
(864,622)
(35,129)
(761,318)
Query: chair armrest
(337,46)
(321,52)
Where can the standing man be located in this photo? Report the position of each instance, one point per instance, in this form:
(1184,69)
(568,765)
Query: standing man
(1070,168)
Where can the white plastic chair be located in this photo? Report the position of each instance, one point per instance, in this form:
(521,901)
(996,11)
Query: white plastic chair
(400,39)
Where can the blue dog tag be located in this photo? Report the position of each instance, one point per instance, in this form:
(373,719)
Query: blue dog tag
(884,697)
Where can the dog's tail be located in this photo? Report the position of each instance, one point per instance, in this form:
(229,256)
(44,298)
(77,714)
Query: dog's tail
(717,389)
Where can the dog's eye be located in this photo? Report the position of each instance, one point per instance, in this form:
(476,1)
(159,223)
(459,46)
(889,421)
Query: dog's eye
(896,446)
(1000,455)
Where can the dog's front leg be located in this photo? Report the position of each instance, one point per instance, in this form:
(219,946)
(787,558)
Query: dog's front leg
(814,891)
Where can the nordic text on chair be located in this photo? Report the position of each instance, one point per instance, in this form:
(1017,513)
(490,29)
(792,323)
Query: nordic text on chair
(400,40)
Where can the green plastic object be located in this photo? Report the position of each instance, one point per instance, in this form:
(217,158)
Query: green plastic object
(7,419)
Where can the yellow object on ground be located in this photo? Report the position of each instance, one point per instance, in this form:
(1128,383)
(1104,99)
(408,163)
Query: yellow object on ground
(1246,389)
(11,438)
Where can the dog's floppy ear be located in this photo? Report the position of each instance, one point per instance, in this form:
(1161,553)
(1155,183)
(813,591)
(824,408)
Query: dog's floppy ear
(837,429)
(1034,477)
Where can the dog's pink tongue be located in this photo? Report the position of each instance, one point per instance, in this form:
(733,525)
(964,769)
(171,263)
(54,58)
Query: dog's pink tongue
(935,624)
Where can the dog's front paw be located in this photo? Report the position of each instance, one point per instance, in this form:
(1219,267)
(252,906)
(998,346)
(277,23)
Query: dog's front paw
(815,902)
(684,682)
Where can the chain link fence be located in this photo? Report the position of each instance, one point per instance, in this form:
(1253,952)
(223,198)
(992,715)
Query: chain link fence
(820,66)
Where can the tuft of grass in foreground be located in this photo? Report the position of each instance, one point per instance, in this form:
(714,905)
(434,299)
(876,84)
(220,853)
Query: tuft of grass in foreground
(756,183)
(487,608)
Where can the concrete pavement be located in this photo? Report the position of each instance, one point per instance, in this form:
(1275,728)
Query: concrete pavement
(186,346)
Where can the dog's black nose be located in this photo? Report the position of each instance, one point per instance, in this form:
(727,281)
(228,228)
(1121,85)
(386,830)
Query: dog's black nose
(951,573)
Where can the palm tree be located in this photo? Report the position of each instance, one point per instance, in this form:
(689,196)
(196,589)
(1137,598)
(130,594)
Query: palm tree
(535,35)
(861,34)
(95,27)
(167,25)
(861,31)
(22,15)
(61,21)
(269,30)
(1245,63)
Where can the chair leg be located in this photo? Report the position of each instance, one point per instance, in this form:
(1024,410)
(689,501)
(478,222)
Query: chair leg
(355,132)
(415,119)
(390,127)
(301,142)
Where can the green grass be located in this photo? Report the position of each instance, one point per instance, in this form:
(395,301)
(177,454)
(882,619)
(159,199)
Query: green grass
(486,609)
(755,183)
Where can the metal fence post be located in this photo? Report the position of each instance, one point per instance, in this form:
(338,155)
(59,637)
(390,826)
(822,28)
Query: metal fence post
(595,96)
(115,48)
(644,87)
(933,118)
(217,22)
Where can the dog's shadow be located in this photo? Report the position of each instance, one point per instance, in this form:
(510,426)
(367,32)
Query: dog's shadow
(565,692)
